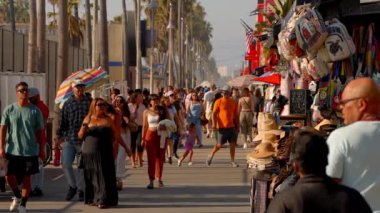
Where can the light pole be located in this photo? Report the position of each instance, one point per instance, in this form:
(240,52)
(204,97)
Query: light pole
(186,65)
(170,55)
(152,6)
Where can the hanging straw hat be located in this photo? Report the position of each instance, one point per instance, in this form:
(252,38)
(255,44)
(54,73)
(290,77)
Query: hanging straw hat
(323,123)
(263,150)
(266,124)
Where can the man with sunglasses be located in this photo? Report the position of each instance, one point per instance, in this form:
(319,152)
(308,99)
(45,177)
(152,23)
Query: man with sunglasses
(354,149)
(73,112)
(24,124)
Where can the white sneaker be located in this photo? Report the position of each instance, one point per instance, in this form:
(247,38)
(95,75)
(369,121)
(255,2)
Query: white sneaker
(234,165)
(245,146)
(15,204)
(21,209)
(190,163)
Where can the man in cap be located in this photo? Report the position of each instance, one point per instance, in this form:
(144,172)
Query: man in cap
(23,122)
(38,179)
(315,192)
(354,149)
(73,112)
(226,122)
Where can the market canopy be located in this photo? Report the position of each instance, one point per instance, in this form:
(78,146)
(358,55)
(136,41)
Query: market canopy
(269,77)
(241,81)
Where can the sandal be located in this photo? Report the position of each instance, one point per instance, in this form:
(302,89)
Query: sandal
(102,206)
(150,186)
(160,184)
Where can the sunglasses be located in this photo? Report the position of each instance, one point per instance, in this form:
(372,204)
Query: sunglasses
(23,90)
(101,105)
(344,102)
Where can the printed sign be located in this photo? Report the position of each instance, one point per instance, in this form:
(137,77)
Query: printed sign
(297,101)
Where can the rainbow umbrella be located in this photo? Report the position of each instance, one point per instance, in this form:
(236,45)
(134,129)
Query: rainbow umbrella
(88,76)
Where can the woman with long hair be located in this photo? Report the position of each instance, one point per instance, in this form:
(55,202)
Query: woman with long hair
(136,108)
(165,102)
(246,109)
(151,140)
(194,110)
(100,142)
(123,115)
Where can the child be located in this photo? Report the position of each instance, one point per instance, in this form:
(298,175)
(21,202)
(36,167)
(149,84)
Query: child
(190,140)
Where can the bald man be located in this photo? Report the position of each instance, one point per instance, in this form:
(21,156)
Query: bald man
(354,157)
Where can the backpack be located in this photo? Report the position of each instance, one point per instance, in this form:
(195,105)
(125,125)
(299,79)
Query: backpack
(311,31)
(339,44)
(317,69)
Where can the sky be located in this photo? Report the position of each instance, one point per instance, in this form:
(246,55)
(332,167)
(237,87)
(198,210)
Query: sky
(228,35)
(224,15)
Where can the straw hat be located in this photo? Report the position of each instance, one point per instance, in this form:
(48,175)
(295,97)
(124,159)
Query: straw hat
(266,124)
(269,138)
(263,150)
(324,122)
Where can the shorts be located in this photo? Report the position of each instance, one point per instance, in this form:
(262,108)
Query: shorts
(22,165)
(226,134)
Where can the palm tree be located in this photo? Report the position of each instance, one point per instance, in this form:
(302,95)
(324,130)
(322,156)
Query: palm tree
(103,36)
(12,15)
(41,36)
(32,40)
(88,33)
(62,42)
(125,44)
(95,52)
(138,45)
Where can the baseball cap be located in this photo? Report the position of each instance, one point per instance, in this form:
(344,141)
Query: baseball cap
(33,92)
(77,82)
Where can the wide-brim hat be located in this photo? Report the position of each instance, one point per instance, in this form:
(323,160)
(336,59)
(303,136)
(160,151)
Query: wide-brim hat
(266,125)
(263,150)
(325,122)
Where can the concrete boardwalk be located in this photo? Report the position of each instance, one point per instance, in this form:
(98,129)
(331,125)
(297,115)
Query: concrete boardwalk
(218,188)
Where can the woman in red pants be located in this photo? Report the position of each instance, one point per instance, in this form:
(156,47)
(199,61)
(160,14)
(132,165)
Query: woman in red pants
(151,140)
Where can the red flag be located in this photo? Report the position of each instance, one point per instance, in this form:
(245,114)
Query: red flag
(250,39)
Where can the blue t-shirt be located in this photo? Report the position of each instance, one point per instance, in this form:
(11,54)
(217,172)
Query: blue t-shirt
(22,122)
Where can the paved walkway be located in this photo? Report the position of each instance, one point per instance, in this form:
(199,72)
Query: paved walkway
(218,188)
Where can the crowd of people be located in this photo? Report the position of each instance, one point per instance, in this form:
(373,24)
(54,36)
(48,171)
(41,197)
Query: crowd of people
(100,133)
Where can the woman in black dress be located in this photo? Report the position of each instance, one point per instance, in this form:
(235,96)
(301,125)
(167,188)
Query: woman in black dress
(98,151)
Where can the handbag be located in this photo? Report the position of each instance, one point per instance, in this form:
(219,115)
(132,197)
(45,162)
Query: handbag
(133,126)
(204,120)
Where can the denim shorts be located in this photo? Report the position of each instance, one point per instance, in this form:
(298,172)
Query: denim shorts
(225,135)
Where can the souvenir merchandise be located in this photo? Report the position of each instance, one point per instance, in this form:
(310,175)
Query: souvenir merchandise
(339,44)
(311,30)
(266,124)
(317,69)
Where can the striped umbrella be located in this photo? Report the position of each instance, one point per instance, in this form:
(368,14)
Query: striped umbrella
(88,76)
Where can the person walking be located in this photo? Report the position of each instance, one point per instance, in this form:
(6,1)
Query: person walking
(191,136)
(123,115)
(226,122)
(73,112)
(354,149)
(136,108)
(194,110)
(38,179)
(165,102)
(101,139)
(315,192)
(151,140)
(23,123)
(208,100)
(246,109)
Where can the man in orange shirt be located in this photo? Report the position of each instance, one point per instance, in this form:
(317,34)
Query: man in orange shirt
(226,123)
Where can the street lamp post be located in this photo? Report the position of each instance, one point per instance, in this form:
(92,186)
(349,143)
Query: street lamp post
(153,6)
(186,65)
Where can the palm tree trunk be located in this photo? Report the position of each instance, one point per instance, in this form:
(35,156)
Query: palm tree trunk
(32,40)
(125,74)
(12,15)
(62,42)
(103,37)
(95,52)
(88,33)
(41,35)
(139,81)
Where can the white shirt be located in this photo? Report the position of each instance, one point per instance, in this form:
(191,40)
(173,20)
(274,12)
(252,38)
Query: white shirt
(139,114)
(208,98)
(354,157)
